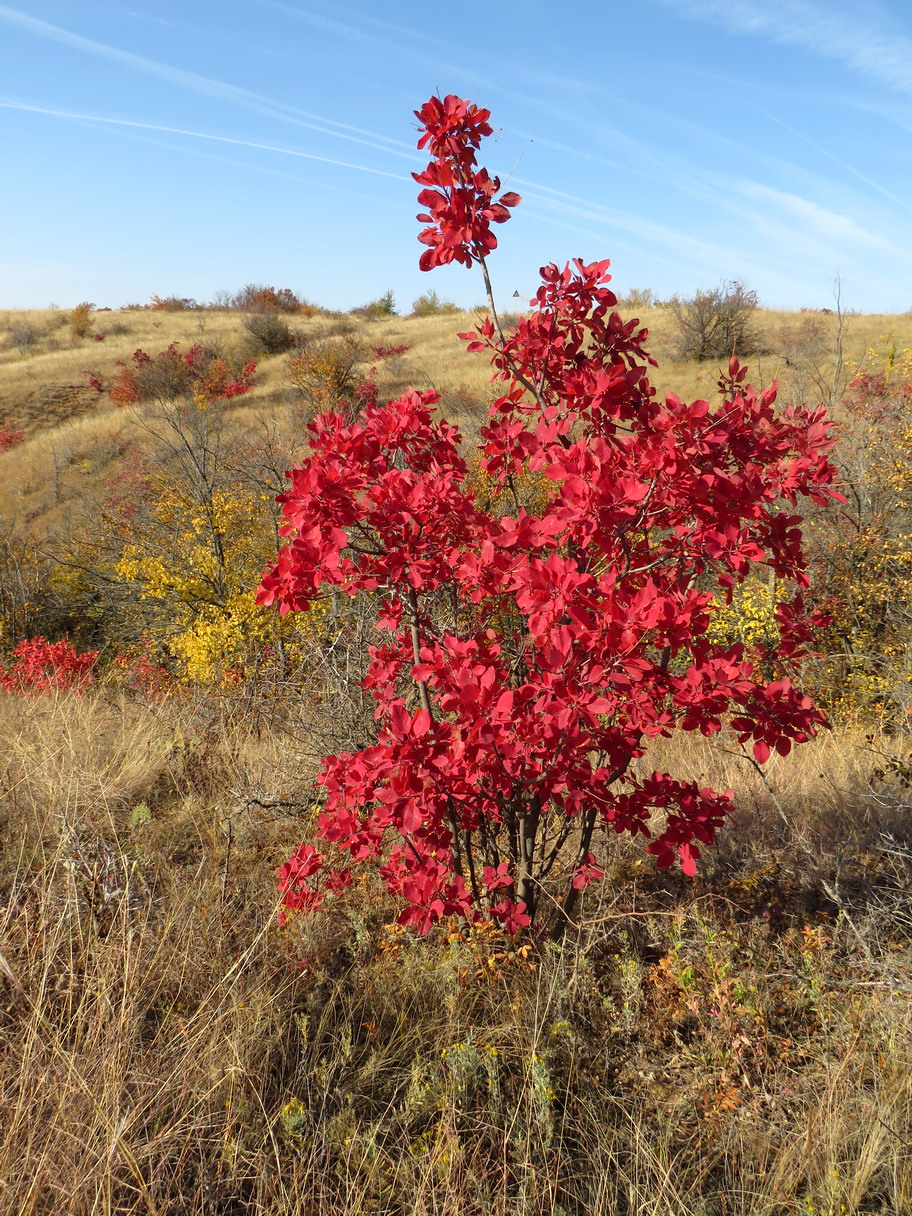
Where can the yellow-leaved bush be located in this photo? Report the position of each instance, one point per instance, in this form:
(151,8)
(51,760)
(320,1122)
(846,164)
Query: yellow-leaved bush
(199,562)
(324,372)
(750,618)
(861,551)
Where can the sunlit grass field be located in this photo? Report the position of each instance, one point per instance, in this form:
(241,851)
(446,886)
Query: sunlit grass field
(739,1044)
(69,426)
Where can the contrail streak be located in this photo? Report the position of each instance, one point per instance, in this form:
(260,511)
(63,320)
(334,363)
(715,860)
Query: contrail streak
(835,159)
(203,84)
(220,139)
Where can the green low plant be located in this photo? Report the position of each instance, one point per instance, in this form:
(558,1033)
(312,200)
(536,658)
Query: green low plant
(430,305)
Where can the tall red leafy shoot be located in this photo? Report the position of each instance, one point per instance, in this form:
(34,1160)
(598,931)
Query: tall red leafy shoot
(526,660)
(41,666)
(459,198)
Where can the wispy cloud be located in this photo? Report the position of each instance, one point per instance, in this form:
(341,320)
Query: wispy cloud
(852,38)
(406,44)
(836,160)
(255,102)
(819,222)
(467,62)
(219,139)
(797,238)
(687,250)
(320,186)
(699,264)
(129,12)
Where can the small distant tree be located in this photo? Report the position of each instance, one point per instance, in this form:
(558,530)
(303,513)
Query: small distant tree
(173,304)
(814,350)
(24,336)
(269,333)
(374,310)
(325,372)
(526,658)
(82,323)
(385,305)
(638,297)
(429,304)
(717,322)
(257,297)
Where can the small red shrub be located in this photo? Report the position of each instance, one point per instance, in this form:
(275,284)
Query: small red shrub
(10,439)
(525,661)
(171,374)
(41,665)
(142,674)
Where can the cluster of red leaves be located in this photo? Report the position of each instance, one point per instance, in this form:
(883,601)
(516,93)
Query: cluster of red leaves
(459,199)
(876,395)
(41,665)
(10,439)
(389,352)
(144,675)
(215,376)
(172,373)
(126,389)
(365,392)
(532,657)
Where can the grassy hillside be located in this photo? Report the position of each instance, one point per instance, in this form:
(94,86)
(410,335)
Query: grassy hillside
(40,359)
(69,428)
(739,1044)
(44,383)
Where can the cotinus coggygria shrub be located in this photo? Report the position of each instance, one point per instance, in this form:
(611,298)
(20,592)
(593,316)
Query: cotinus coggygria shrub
(525,659)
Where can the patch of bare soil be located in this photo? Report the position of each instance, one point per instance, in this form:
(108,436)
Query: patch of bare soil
(48,406)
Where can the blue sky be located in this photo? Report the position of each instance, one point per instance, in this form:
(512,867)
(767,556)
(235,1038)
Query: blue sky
(189,147)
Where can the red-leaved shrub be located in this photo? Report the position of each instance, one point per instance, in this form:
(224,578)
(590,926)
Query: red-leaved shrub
(531,656)
(41,665)
(9,438)
(144,675)
(171,374)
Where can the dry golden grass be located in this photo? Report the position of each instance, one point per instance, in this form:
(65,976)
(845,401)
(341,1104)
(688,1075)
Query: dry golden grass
(72,432)
(691,380)
(436,358)
(44,385)
(739,1045)
(736,1045)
